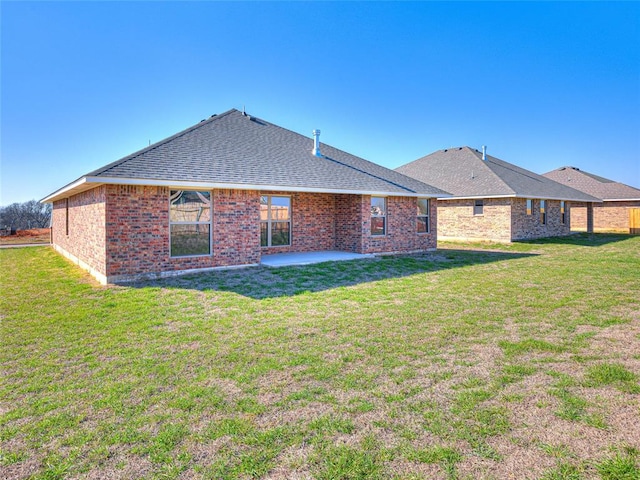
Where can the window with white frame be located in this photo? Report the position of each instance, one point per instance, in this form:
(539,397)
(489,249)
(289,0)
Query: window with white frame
(190,223)
(478,206)
(543,212)
(378,216)
(275,221)
(529,206)
(423,215)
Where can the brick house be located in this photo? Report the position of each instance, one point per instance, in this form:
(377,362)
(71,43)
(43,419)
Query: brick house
(493,200)
(228,191)
(611,212)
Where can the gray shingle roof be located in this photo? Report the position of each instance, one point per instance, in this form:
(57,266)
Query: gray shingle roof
(593,185)
(462,172)
(236,149)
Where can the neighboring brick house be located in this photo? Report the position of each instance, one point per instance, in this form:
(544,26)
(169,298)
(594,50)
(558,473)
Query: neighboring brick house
(611,213)
(493,200)
(229,190)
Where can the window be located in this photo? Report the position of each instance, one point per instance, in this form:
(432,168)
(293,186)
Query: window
(275,221)
(478,207)
(423,215)
(543,213)
(529,206)
(563,217)
(190,223)
(378,216)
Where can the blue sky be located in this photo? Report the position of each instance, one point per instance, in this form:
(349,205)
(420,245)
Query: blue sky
(543,85)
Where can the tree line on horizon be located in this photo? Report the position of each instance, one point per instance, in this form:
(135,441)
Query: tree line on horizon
(25,215)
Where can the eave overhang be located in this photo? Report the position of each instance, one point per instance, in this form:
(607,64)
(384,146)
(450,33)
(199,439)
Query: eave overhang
(621,199)
(89,182)
(542,197)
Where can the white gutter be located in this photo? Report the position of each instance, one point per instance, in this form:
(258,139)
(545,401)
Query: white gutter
(57,193)
(621,199)
(453,197)
(473,197)
(96,181)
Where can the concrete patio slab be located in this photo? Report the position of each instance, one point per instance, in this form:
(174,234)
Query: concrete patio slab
(307,258)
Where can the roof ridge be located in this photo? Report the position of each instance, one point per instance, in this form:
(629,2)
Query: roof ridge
(371,174)
(485,163)
(350,155)
(593,176)
(149,148)
(533,175)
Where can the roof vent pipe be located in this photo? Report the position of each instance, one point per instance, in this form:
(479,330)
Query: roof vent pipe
(484,153)
(316,143)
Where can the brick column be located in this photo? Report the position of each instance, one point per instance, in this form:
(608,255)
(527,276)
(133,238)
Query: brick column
(589,217)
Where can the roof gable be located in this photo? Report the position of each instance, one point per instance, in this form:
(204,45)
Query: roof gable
(240,151)
(594,185)
(462,172)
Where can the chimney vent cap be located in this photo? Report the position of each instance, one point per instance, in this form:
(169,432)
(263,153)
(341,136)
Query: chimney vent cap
(316,143)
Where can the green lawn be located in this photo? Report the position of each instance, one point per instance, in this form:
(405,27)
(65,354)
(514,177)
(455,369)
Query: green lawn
(483,361)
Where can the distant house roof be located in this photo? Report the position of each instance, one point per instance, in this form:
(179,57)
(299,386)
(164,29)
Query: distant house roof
(235,150)
(462,172)
(600,187)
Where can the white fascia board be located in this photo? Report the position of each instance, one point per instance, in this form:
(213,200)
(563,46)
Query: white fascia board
(567,199)
(60,192)
(453,197)
(621,199)
(95,181)
(519,196)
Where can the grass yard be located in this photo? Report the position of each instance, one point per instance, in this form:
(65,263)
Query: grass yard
(518,361)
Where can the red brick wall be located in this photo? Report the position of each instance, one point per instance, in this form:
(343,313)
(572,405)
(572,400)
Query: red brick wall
(401,235)
(236,227)
(138,231)
(526,227)
(312,223)
(122,231)
(350,223)
(87,235)
(607,216)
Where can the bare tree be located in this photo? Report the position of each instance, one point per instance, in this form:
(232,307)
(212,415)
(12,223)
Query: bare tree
(23,216)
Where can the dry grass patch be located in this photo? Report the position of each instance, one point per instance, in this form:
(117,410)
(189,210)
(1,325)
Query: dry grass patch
(512,362)
(32,236)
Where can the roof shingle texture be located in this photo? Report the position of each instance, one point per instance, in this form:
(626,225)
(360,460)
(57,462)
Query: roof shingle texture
(235,148)
(596,186)
(462,172)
